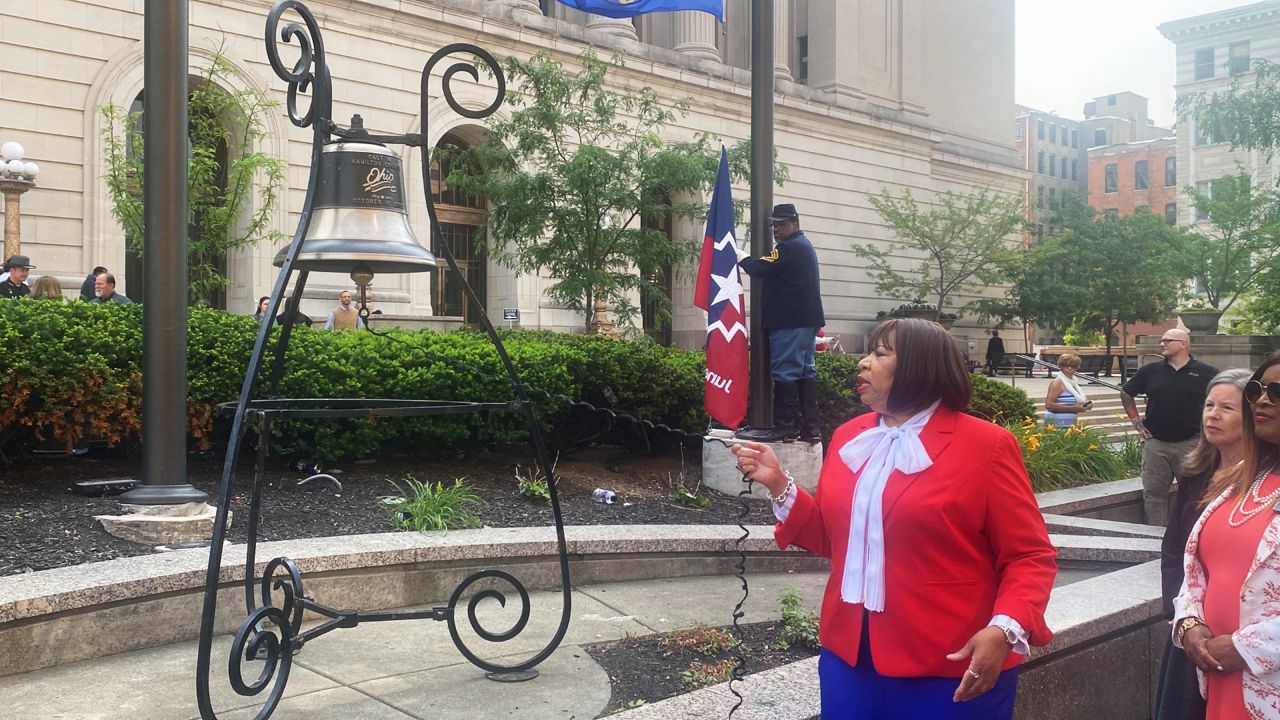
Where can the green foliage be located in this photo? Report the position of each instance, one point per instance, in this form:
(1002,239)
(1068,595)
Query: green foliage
(1246,114)
(704,640)
(424,507)
(222,125)
(838,399)
(690,499)
(997,402)
(534,486)
(578,177)
(799,627)
(1081,337)
(700,675)
(1057,458)
(1241,242)
(960,242)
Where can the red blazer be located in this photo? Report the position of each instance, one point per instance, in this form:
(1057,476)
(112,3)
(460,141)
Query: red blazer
(964,541)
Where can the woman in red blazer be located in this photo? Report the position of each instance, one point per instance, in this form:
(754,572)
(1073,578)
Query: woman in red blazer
(941,566)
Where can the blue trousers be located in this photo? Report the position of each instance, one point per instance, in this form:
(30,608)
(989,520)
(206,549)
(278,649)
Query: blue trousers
(791,353)
(861,693)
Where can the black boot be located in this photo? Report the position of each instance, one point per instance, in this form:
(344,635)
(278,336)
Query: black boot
(784,410)
(810,429)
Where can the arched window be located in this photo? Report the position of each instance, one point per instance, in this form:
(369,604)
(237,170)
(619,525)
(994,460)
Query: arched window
(461,216)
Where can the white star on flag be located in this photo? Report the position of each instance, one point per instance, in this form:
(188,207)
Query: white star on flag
(729,289)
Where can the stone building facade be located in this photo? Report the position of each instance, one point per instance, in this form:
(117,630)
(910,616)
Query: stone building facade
(1211,51)
(1050,149)
(871,95)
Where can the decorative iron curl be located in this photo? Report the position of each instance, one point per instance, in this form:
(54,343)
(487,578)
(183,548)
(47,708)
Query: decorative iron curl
(478,628)
(446,87)
(302,76)
(252,642)
(290,587)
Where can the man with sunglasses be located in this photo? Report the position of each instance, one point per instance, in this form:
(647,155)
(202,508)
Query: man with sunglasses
(791,313)
(1175,390)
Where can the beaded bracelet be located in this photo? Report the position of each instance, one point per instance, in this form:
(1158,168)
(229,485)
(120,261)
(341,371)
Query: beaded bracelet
(781,498)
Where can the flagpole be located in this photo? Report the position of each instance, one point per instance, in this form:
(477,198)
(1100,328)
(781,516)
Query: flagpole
(760,409)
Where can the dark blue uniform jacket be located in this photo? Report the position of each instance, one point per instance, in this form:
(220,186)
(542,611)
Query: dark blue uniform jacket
(791,296)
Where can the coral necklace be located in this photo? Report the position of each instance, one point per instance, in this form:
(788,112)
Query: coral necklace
(1251,494)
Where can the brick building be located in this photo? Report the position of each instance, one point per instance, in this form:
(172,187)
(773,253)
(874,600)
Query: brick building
(1127,176)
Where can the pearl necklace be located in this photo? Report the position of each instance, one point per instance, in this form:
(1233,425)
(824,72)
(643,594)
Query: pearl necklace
(1262,503)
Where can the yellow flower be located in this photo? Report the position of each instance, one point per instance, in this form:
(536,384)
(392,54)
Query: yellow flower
(1033,442)
(1093,446)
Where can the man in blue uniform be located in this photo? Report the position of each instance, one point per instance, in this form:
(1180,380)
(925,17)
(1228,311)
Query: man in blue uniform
(791,314)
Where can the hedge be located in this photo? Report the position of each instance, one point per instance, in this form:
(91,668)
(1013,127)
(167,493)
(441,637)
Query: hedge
(71,372)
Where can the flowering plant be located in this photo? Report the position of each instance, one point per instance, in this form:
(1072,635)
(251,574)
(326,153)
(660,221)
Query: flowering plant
(1195,304)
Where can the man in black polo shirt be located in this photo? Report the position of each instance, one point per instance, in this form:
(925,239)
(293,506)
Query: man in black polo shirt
(1175,390)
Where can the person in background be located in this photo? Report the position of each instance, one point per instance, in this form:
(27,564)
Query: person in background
(104,291)
(47,286)
(1175,390)
(791,314)
(261,313)
(87,287)
(941,565)
(1220,450)
(344,317)
(1227,615)
(1066,399)
(17,268)
(995,353)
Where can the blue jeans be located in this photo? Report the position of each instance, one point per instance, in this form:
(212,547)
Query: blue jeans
(791,353)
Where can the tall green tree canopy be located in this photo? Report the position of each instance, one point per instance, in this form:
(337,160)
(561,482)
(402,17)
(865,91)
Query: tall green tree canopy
(577,176)
(232,188)
(959,244)
(1240,239)
(1246,114)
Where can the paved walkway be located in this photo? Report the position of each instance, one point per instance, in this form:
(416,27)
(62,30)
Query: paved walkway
(407,669)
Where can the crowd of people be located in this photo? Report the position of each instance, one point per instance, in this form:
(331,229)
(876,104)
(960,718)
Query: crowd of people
(15,282)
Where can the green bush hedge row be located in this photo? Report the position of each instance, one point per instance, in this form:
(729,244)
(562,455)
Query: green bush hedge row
(71,371)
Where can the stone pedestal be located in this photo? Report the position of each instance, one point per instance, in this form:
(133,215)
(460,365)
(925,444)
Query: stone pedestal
(162,524)
(720,466)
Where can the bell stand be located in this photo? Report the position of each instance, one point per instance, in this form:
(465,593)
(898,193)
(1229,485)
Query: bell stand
(271,631)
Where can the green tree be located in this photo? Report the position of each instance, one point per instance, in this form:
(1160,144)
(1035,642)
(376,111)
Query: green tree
(961,242)
(223,129)
(1240,241)
(1246,114)
(1126,267)
(576,178)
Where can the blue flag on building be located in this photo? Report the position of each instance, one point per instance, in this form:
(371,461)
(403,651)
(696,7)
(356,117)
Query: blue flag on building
(632,8)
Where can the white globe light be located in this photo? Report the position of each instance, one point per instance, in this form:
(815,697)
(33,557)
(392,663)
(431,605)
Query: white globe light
(11,151)
(31,170)
(16,167)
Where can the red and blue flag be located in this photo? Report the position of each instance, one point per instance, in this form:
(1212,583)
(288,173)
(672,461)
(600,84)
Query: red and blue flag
(719,291)
(632,8)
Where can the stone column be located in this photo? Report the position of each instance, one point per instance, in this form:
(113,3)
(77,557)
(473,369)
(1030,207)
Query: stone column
(782,12)
(619,27)
(13,189)
(833,48)
(521,10)
(696,35)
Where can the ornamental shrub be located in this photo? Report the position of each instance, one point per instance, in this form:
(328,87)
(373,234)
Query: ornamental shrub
(993,400)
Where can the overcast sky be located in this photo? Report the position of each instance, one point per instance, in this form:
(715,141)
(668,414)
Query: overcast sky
(1071,52)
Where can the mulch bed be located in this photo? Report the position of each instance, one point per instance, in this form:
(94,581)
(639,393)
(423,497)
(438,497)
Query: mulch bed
(647,669)
(43,524)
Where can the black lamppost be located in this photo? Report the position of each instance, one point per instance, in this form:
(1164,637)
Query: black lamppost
(164,320)
(760,410)
(352,221)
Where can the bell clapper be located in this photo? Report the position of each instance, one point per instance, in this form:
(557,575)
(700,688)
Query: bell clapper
(362,275)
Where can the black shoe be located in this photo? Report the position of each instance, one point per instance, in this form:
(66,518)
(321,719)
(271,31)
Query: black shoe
(810,427)
(762,435)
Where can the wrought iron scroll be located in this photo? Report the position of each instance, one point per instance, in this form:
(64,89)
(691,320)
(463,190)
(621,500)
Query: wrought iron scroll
(271,632)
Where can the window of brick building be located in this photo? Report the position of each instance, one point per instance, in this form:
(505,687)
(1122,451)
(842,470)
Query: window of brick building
(1111,178)
(1064,168)
(1017,131)
(1099,137)
(1053,133)
(1040,161)
(1075,165)
(1170,171)
(1110,213)
(1040,129)
(1075,139)
(1053,165)
(1171,213)
(1053,198)
(1140,175)
(1040,196)
(1204,63)
(1238,58)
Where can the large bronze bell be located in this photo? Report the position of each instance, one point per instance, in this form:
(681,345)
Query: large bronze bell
(358,217)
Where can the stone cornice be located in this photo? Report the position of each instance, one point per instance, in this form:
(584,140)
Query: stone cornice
(1232,20)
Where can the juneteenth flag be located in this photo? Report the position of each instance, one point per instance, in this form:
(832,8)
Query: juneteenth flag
(719,292)
(632,8)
